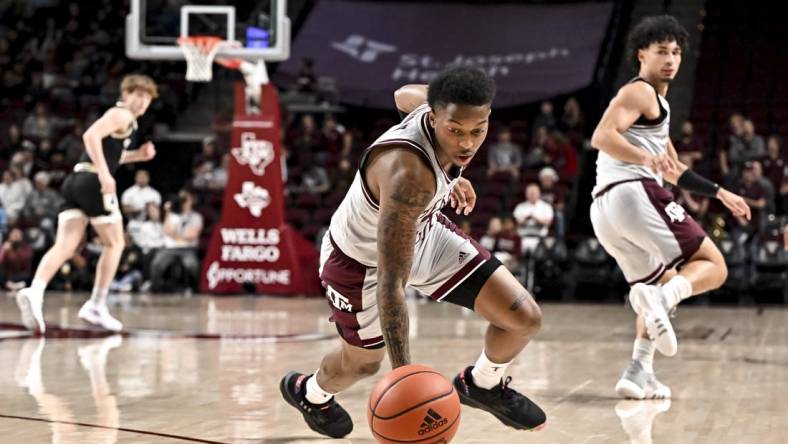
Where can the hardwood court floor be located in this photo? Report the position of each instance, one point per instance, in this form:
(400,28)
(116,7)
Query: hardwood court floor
(206,369)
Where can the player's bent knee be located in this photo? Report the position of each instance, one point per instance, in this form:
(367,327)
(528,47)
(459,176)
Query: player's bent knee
(526,320)
(116,243)
(368,369)
(722,274)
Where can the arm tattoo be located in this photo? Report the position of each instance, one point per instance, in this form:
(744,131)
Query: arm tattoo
(397,224)
(412,196)
(518,302)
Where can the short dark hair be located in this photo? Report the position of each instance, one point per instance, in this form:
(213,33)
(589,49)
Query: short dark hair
(655,29)
(461,85)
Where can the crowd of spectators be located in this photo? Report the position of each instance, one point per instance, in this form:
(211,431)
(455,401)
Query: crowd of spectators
(61,64)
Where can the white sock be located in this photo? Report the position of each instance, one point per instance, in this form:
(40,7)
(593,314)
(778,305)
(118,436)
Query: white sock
(99,296)
(643,352)
(314,393)
(487,374)
(676,290)
(38,286)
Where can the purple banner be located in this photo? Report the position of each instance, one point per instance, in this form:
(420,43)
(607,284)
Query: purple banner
(372,48)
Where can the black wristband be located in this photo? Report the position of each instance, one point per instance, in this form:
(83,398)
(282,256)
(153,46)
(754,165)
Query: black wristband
(694,182)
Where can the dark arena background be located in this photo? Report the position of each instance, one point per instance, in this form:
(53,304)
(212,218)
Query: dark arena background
(258,144)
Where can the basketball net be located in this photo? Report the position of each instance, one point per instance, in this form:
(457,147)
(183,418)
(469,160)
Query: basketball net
(199,51)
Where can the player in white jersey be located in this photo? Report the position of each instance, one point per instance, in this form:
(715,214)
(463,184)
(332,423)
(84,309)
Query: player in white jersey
(665,255)
(389,233)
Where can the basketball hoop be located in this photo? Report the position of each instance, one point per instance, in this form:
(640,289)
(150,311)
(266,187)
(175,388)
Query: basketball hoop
(199,51)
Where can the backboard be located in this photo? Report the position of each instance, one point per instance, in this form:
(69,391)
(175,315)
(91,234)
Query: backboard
(261,27)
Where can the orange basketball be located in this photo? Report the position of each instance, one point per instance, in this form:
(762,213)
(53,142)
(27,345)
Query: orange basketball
(414,404)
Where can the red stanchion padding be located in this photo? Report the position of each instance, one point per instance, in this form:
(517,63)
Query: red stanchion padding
(251,245)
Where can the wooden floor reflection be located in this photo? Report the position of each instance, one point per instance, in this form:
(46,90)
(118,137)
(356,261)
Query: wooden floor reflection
(206,369)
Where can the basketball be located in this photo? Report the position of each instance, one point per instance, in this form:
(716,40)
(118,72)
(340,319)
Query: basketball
(413,404)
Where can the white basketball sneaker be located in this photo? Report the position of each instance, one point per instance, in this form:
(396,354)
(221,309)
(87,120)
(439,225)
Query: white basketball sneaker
(637,383)
(647,301)
(99,316)
(30,306)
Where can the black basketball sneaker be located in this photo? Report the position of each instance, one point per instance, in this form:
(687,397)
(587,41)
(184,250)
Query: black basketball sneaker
(328,419)
(509,406)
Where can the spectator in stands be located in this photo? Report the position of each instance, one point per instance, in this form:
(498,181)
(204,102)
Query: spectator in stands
(38,125)
(315,180)
(573,122)
(331,143)
(748,147)
(43,202)
(71,145)
(755,195)
(555,194)
(36,91)
(504,155)
(208,159)
(348,144)
(689,146)
(774,164)
(545,118)
(508,245)
(534,218)
(345,175)
(216,179)
(16,265)
(306,137)
(735,131)
(182,228)
(138,195)
(5,56)
(147,236)
(494,226)
(306,81)
(58,170)
(573,118)
(14,191)
(767,186)
(552,191)
(23,160)
(541,145)
(754,143)
(556,154)
(11,143)
(42,155)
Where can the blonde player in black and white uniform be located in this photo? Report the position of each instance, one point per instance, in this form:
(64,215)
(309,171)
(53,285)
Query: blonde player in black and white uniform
(653,240)
(389,233)
(90,196)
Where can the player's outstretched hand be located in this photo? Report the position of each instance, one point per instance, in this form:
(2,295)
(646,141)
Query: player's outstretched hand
(463,197)
(734,203)
(147,151)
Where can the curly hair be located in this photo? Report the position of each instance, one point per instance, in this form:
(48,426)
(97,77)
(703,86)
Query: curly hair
(461,85)
(655,29)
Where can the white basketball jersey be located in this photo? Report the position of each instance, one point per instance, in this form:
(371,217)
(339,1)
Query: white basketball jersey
(647,134)
(354,226)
